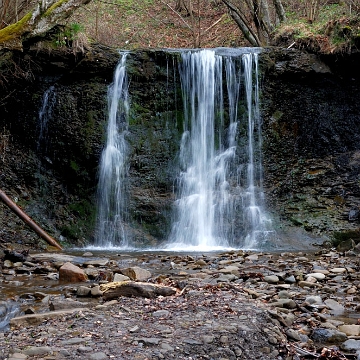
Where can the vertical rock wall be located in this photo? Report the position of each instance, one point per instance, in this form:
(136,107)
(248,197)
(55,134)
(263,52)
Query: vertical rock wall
(310,112)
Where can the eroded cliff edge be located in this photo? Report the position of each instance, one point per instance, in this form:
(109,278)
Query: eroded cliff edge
(311,133)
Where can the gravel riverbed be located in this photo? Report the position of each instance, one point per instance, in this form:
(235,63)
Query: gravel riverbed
(234,305)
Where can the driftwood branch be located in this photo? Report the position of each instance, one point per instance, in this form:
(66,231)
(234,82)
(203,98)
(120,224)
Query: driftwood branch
(31,223)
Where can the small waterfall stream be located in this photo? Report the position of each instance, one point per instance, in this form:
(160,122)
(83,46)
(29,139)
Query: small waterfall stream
(112,195)
(45,113)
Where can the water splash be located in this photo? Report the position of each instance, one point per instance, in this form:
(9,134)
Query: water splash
(220,194)
(112,194)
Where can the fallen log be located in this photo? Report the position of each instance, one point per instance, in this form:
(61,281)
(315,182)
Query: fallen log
(114,290)
(31,223)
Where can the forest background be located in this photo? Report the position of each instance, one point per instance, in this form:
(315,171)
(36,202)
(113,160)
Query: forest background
(324,26)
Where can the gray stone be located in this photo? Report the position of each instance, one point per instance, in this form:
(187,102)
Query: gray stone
(334,306)
(290,280)
(161,313)
(98,356)
(314,300)
(284,295)
(73,341)
(18,356)
(271,279)
(83,291)
(120,278)
(322,335)
(293,334)
(84,349)
(150,341)
(63,304)
(95,291)
(97,262)
(136,273)
(37,350)
(317,276)
(350,345)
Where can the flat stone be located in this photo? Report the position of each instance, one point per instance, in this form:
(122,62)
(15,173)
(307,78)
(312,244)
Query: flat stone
(120,278)
(96,262)
(150,341)
(350,330)
(350,345)
(338,270)
(316,275)
(161,313)
(286,303)
(84,349)
(271,279)
(290,280)
(83,291)
(37,350)
(283,295)
(322,335)
(57,304)
(87,254)
(136,273)
(98,356)
(292,334)
(334,306)
(193,342)
(95,291)
(309,284)
(18,356)
(314,300)
(73,341)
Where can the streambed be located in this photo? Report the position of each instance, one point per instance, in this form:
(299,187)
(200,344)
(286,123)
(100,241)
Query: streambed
(281,301)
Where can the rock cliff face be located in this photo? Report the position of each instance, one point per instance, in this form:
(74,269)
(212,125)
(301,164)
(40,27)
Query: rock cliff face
(310,113)
(311,140)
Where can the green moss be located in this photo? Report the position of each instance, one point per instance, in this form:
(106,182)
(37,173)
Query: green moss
(340,236)
(54,6)
(15,30)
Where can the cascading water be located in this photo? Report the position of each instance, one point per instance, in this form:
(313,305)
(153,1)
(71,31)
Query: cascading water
(112,195)
(45,113)
(220,183)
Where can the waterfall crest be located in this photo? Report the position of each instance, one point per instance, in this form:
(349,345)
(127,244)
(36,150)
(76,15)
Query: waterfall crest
(112,194)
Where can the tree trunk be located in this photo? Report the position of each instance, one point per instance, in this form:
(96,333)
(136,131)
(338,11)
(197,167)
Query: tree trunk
(242,23)
(280,10)
(28,221)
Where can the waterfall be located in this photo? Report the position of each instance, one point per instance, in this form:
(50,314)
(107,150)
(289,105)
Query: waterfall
(45,113)
(112,194)
(219,188)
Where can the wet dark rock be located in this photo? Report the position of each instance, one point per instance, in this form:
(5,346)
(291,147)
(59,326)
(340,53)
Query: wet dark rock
(328,336)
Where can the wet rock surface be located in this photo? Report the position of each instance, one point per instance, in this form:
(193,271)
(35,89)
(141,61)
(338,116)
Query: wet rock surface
(233,305)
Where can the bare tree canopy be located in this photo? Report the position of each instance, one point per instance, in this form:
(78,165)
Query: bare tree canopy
(256,18)
(45,14)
